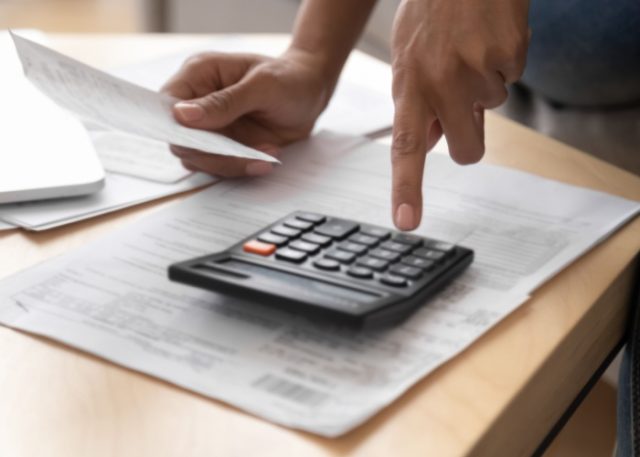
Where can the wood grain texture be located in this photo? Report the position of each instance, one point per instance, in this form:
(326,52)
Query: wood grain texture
(591,431)
(498,398)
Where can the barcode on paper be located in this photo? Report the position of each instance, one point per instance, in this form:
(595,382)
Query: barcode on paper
(290,390)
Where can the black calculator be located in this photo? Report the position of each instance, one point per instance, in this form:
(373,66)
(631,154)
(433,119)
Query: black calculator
(327,267)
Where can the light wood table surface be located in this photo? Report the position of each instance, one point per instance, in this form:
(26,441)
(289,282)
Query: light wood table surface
(499,398)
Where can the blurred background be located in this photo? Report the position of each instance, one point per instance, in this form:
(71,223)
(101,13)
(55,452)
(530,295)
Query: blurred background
(186,16)
(77,15)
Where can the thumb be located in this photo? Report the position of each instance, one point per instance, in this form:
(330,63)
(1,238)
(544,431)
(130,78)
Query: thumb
(218,109)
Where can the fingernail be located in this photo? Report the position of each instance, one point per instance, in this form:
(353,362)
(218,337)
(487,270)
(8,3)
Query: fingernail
(258,169)
(189,112)
(405,217)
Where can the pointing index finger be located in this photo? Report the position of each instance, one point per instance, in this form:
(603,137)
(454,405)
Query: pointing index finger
(408,151)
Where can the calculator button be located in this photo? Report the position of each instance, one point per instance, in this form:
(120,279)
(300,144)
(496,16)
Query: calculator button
(404,238)
(340,256)
(304,246)
(384,254)
(418,262)
(376,232)
(272,238)
(406,271)
(396,247)
(373,263)
(311,217)
(258,247)
(352,247)
(429,254)
(337,228)
(363,239)
(291,255)
(395,281)
(285,231)
(440,246)
(322,240)
(298,224)
(360,272)
(327,264)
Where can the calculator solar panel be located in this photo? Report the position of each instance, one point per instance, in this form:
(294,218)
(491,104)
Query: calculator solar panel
(332,268)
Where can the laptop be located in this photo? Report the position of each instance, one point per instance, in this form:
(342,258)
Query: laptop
(45,152)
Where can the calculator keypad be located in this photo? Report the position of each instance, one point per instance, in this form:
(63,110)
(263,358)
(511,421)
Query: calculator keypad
(323,266)
(430,254)
(373,263)
(259,248)
(396,247)
(291,255)
(298,224)
(326,264)
(383,254)
(304,246)
(363,252)
(360,272)
(272,238)
(321,240)
(394,281)
(285,231)
(340,256)
(337,229)
(352,247)
(375,232)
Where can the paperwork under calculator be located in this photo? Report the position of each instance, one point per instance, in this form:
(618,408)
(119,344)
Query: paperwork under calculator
(112,297)
(106,100)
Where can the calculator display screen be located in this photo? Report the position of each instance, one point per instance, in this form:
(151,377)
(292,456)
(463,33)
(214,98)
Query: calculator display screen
(300,286)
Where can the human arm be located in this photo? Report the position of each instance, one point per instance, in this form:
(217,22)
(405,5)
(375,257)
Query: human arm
(451,60)
(266,102)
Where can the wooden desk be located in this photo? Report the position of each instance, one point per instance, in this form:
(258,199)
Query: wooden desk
(499,398)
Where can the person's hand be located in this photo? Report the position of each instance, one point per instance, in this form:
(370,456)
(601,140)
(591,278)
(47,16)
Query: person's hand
(259,101)
(451,60)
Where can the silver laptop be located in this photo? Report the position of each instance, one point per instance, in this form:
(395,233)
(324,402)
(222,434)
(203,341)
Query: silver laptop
(44,151)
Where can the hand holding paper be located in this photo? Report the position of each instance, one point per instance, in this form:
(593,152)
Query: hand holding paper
(112,102)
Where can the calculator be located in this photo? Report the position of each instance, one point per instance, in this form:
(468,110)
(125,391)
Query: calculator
(320,266)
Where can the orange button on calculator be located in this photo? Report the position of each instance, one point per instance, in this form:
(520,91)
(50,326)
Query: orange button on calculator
(258,247)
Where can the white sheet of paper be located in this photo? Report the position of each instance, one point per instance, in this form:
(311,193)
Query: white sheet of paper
(358,106)
(112,298)
(139,157)
(6,226)
(101,98)
(119,192)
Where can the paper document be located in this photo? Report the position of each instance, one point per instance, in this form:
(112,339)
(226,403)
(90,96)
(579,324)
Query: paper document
(112,297)
(114,103)
(119,192)
(139,157)
(6,226)
(359,106)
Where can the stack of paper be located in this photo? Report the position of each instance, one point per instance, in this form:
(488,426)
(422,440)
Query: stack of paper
(6,226)
(112,297)
(119,192)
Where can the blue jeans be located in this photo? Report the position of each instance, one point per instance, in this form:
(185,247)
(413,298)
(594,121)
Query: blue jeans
(585,52)
(625,419)
(629,389)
